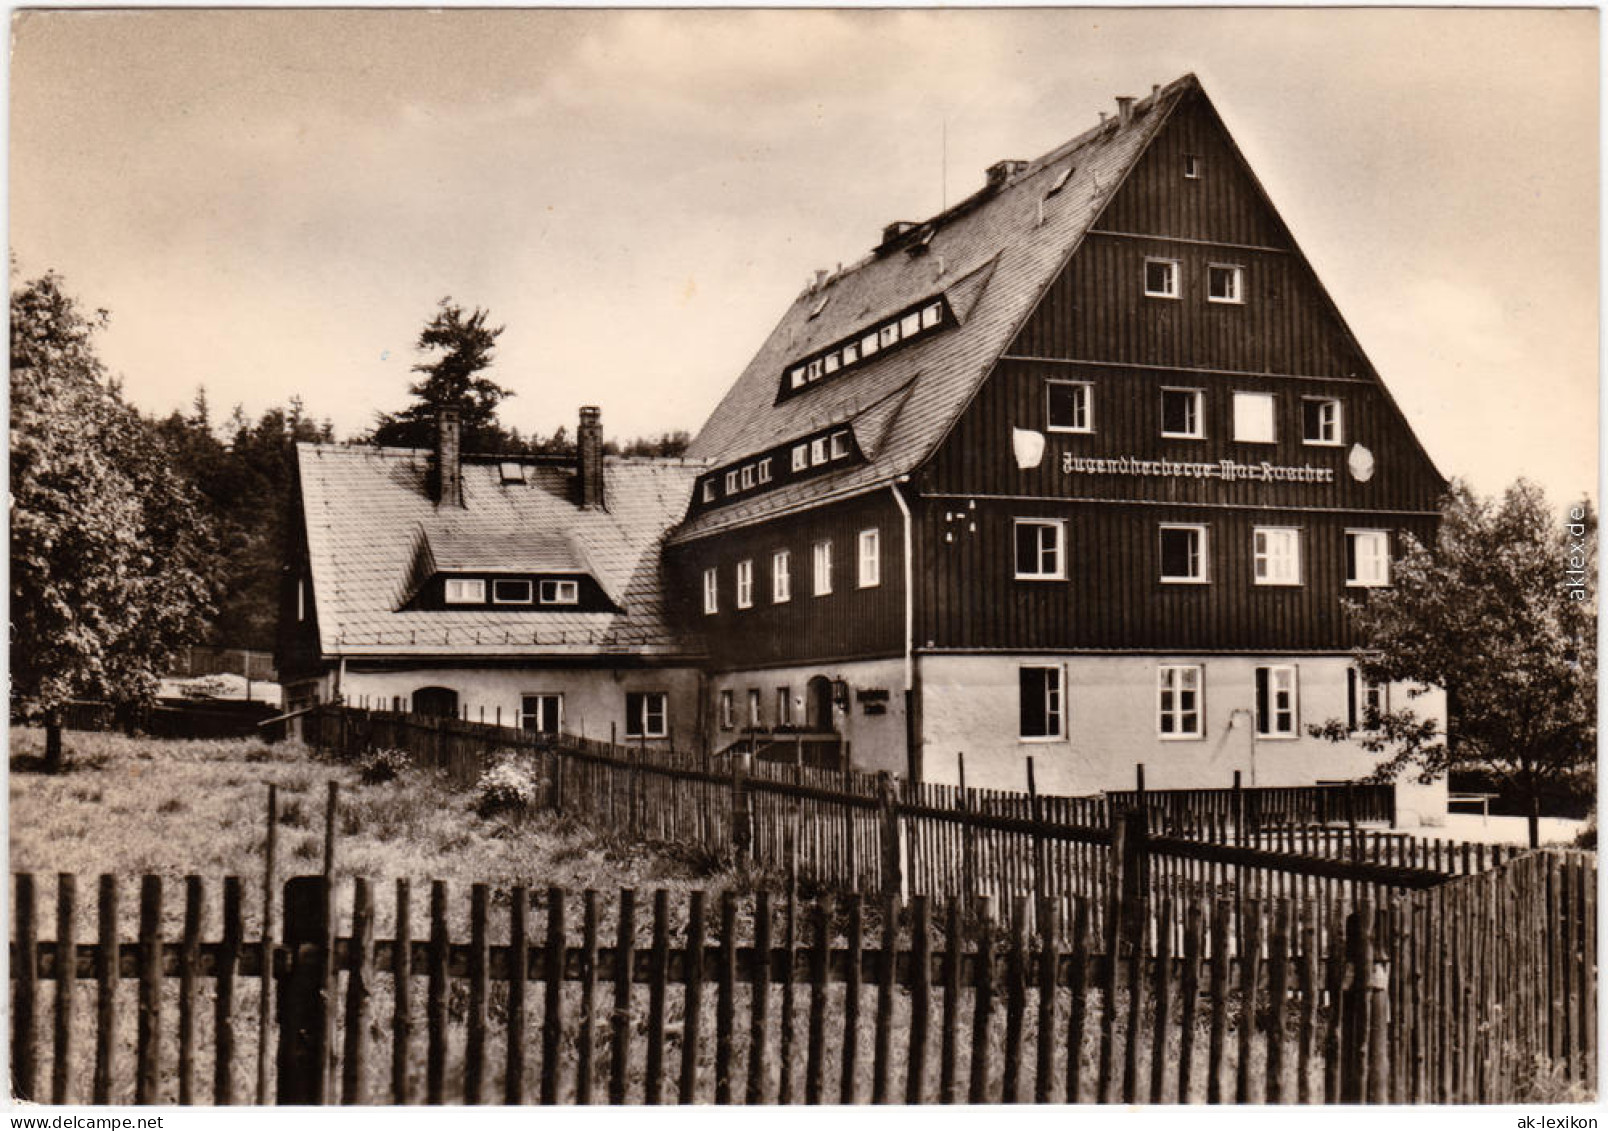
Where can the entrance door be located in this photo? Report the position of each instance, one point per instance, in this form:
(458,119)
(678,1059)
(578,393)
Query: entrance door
(541,714)
(818,704)
(436,702)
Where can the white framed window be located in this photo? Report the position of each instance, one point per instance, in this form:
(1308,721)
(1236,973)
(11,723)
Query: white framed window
(784,707)
(851,353)
(1367,558)
(728,710)
(748,477)
(745,584)
(465,591)
(840,445)
(821,568)
(1192,166)
(560,592)
(833,362)
(812,371)
(1253,418)
(754,719)
(931,315)
(870,344)
(541,713)
(1276,706)
(1040,549)
(1069,406)
(647,714)
(1179,701)
(510,591)
(1365,701)
(910,325)
(711,590)
(1276,554)
(1181,414)
(764,470)
(869,573)
(1225,282)
(781,577)
(1042,717)
(888,335)
(731,481)
(818,451)
(709,491)
(797,377)
(1162,278)
(1183,553)
(1320,421)
(801,456)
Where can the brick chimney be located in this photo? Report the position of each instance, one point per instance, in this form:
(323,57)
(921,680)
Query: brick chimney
(446,471)
(589,458)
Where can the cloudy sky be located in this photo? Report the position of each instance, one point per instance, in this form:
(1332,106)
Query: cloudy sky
(271,203)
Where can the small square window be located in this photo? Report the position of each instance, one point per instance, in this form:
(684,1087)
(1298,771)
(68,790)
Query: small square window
(1040,546)
(813,370)
(1276,715)
(748,477)
(931,315)
(910,325)
(541,714)
(1253,418)
(1367,558)
(1178,689)
(745,584)
(511,472)
(818,451)
(840,445)
(1041,711)
(510,591)
(1070,406)
(870,344)
(560,592)
(1183,553)
(731,481)
(465,591)
(1192,166)
(820,306)
(1060,181)
(1161,278)
(1225,283)
(1276,553)
(832,362)
(1181,415)
(851,353)
(763,470)
(709,491)
(1320,420)
(647,714)
(798,377)
(801,456)
(888,335)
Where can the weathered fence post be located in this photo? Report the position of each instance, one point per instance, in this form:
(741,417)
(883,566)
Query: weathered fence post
(303,1006)
(1238,802)
(888,824)
(1039,885)
(741,833)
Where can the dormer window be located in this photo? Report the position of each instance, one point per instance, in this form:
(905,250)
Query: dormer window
(731,481)
(465,591)
(508,591)
(907,325)
(1060,181)
(818,450)
(801,456)
(561,593)
(511,472)
(840,445)
(765,470)
(709,491)
(748,477)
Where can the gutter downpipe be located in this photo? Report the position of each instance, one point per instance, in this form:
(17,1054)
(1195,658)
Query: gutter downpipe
(913,765)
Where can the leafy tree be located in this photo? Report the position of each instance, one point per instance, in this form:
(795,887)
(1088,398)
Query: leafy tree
(108,550)
(1502,614)
(454,379)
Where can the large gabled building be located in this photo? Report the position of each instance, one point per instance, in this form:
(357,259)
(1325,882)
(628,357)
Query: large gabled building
(1082,468)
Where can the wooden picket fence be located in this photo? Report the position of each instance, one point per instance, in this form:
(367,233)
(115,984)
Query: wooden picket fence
(1468,992)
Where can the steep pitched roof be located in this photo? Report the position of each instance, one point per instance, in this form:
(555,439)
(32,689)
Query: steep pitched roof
(370,521)
(991,256)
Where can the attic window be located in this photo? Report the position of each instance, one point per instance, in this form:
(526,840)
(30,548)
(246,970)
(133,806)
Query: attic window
(510,592)
(512,472)
(912,322)
(1060,181)
(465,591)
(561,592)
(1192,164)
(820,306)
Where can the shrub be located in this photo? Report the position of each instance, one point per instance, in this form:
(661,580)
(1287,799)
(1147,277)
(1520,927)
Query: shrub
(293,814)
(1587,837)
(385,765)
(511,786)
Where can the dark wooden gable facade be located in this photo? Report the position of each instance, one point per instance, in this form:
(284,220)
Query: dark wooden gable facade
(1192,200)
